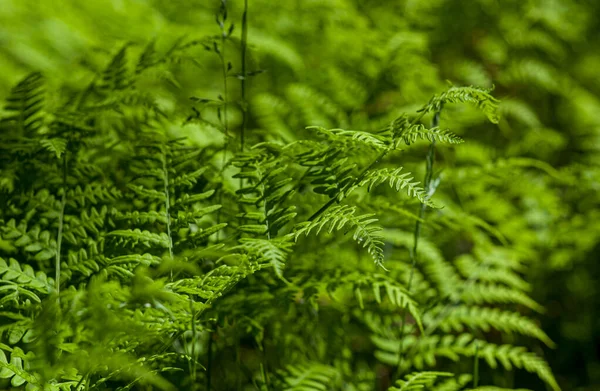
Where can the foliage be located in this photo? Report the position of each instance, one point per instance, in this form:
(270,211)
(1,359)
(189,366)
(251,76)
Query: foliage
(239,205)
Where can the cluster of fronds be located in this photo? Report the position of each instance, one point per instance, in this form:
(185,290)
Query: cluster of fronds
(283,240)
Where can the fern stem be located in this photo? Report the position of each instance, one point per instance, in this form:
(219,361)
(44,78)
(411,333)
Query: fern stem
(244,104)
(263,366)
(61,218)
(417,233)
(167,204)
(264,376)
(193,351)
(244,74)
(225,95)
(225,120)
(209,364)
(476,366)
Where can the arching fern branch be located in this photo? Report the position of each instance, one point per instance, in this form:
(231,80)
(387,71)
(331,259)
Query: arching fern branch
(25,107)
(358,137)
(309,376)
(418,381)
(396,181)
(268,251)
(409,134)
(477,96)
(341,216)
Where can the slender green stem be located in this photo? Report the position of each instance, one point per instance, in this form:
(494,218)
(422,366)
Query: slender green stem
(61,217)
(416,235)
(244,103)
(167,205)
(476,366)
(238,362)
(167,202)
(209,364)
(193,350)
(263,366)
(225,95)
(225,119)
(244,75)
(264,376)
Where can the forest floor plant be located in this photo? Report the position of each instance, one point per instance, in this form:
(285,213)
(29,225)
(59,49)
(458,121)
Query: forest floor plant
(275,265)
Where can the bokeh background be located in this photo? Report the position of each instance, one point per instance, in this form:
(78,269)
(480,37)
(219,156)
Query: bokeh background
(338,63)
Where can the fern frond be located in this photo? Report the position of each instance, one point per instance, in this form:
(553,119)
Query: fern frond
(116,76)
(503,272)
(396,181)
(14,370)
(454,384)
(25,106)
(135,236)
(435,134)
(340,216)
(25,276)
(485,318)
(494,388)
(418,381)
(55,145)
(494,293)
(273,252)
(309,377)
(143,217)
(425,349)
(480,97)
(358,137)
(404,130)
(396,293)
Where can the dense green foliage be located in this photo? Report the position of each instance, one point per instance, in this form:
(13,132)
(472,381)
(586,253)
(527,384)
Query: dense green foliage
(299,195)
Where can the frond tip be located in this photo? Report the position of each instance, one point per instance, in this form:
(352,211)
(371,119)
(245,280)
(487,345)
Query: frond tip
(477,96)
(397,181)
(341,216)
(308,377)
(418,381)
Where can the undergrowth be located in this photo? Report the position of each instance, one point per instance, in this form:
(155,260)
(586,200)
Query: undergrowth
(255,239)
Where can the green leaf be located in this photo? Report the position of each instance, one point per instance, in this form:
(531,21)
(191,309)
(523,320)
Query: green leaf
(56,145)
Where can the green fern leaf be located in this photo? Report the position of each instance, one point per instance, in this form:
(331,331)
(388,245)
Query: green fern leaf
(396,181)
(480,97)
(341,216)
(26,105)
(56,145)
(309,377)
(418,381)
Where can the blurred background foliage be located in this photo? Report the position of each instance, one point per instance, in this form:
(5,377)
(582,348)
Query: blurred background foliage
(356,64)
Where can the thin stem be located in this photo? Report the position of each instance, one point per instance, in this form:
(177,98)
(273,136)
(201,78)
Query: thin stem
(167,206)
(476,366)
(238,362)
(61,217)
(264,376)
(416,235)
(209,364)
(263,366)
(167,202)
(193,352)
(225,120)
(244,103)
(244,75)
(225,97)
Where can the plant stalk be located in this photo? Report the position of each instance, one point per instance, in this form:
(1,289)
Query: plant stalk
(417,233)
